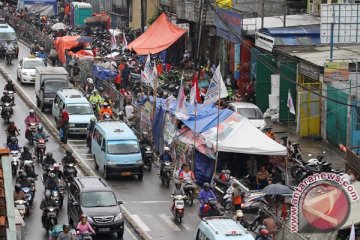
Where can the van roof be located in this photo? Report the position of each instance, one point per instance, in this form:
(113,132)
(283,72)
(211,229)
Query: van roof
(116,129)
(6,28)
(50,70)
(227,228)
(73,95)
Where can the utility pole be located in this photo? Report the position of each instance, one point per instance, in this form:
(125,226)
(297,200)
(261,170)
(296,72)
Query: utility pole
(262,13)
(332,35)
(199,33)
(142,15)
(285,11)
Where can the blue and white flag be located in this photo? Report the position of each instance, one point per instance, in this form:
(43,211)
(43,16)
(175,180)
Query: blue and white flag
(216,89)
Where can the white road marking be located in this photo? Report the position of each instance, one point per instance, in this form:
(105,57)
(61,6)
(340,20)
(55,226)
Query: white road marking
(130,233)
(87,154)
(140,223)
(170,222)
(187,227)
(79,145)
(76,140)
(145,202)
(89,159)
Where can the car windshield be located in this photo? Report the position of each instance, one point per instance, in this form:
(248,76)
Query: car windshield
(8,36)
(98,199)
(33,64)
(123,147)
(79,109)
(250,113)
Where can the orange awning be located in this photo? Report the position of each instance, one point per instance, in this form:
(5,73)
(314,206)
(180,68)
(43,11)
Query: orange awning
(158,37)
(63,43)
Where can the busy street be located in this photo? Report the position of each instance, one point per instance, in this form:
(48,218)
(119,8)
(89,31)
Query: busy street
(179,120)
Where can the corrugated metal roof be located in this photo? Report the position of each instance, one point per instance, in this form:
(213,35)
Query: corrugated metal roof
(251,25)
(317,55)
(304,30)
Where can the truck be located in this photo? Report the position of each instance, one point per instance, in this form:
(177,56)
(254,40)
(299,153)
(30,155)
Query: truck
(48,80)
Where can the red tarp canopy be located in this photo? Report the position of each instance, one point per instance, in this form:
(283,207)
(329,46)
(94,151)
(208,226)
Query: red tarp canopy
(158,37)
(63,43)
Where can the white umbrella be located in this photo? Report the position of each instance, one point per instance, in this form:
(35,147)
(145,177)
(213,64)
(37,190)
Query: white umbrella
(58,26)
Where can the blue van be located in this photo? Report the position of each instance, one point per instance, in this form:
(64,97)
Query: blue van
(116,149)
(221,228)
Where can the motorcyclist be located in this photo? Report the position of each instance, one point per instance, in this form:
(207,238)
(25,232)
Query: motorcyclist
(34,47)
(178,190)
(11,131)
(144,142)
(91,125)
(51,182)
(40,134)
(31,118)
(205,195)
(95,98)
(26,154)
(6,98)
(187,177)
(13,145)
(106,109)
(263,235)
(66,160)
(22,179)
(59,174)
(107,99)
(66,234)
(165,157)
(89,85)
(49,160)
(9,86)
(84,226)
(9,47)
(41,54)
(18,194)
(239,217)
(45,203)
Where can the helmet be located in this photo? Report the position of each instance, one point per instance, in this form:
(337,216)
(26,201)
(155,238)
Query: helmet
(177,183)
(83,216)
(23,174)
(68,153)
(47,194)
(17,187)
(39,128)
(66,226)
(105,104)
(94,91)
(89,80)
(26,148)
(145,133)
(35,41)
(239,214)
(206,185)
(92,119)
(13,139)
(52,175)
(264,232)
(9,81)
(101,89)
(166,149)
(56,165)
(31,111)
(49,155)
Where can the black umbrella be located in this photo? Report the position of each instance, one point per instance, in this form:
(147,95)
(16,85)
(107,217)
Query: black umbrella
(276,189)
(85,39)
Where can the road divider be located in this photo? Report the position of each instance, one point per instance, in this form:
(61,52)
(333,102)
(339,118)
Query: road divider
(82,165)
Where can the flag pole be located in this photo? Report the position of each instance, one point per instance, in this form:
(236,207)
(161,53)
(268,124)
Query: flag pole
(287,147)
(195,135)
(217,135)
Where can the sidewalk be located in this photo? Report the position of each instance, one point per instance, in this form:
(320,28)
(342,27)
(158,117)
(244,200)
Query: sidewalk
(309,145)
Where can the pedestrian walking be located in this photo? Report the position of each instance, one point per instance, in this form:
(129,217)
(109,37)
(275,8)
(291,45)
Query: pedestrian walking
(117,81)
(63,124)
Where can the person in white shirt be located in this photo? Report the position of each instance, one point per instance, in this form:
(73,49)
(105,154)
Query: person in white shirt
(129,111)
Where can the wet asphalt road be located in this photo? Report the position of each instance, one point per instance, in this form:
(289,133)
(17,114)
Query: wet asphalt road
(148,201)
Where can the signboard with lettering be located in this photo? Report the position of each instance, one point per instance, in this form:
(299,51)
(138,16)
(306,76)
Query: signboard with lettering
(264,41)
(228,25)
(338,71)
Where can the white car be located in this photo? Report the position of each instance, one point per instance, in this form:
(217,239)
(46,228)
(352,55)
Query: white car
(250,111)
(26,69)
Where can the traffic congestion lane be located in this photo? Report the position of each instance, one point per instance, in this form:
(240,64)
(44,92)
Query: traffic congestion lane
(148,201)
(33,228)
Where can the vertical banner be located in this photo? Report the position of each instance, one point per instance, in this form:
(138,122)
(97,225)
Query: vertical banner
(228,25)
(237,62)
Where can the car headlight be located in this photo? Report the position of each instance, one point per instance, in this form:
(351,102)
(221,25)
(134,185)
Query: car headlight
(111,163)
(118,217)
(71,125)
(139,162)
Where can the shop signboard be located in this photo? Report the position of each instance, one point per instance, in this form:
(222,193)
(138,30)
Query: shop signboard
(264,41)
(338,71)
(228,25)
(309,70)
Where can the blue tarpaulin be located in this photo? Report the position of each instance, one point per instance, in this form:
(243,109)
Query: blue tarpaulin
(158,125)
(43,7)
(103,73)
(203,168)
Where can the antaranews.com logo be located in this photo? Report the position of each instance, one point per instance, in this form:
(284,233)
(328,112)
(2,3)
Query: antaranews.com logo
(324,200)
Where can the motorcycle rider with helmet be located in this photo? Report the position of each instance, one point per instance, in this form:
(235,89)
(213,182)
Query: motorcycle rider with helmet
(204,196)
(90,130)
(187,177)
(84,226)
(58,173)
(49,160)
(165,157)
(144,142)
(105,109)
(10,86)
(5,99)
(31,118)
(18,193)
(89,85)
(178,190)
(96,99)
(51,182)
(11,131)
(9,48)
(45,203)
(66,160)
(40,134)
(66,234)
(13,145)
(26,154)
(263,235)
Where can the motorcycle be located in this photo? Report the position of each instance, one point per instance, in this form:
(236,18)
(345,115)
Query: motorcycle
(310,170)
(11,95)
(31,132)
(28,162)
(47,168)
(61,187)
(70,172)
(51,218)
(148,157)
(22,207)
(177,209)
(311,164)
(29,193)
(7,111)
(9,55)
(166,174)
(56,197)
(85,236)
(189,189)
(210,209)
(40,149)
(15,161)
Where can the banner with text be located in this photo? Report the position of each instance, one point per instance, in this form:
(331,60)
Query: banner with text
(338,71)
(228,25)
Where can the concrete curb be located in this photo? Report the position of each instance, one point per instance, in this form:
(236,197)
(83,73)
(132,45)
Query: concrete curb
(85,169)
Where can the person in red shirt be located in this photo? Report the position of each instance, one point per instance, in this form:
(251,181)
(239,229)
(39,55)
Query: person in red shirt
(159,68)
(168,67)
(117,81)
(63,125)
